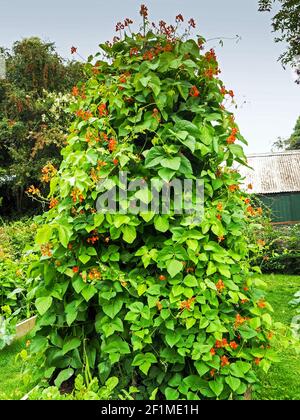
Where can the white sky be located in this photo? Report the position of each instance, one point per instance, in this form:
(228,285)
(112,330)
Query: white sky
(268,99)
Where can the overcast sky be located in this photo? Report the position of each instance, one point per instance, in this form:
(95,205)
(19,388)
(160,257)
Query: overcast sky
(268,99)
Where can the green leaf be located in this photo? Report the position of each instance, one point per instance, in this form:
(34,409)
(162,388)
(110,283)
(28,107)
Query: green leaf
(216,386)
(64,234)
(144,195)
(63,376)
(201,367)
(172,338)
(43,304)
(71,344)
(112,308)
(161,223)
(174,267)
(43,235)
(129,234)
(166,174)
(171,163)
(84,258)
(171,393)
(154,157)
(234,383)
(88,292)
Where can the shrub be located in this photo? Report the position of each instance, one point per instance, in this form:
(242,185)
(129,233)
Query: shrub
(165,302)
(15,285)
(282,251)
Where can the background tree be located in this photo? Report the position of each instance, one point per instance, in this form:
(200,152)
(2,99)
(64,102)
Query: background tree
(33,119)
(286,22)
(292,143)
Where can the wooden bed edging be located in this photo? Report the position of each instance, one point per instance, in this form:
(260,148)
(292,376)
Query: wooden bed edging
(24,327)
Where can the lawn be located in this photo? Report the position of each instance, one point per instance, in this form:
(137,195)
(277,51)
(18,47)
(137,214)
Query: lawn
(283,380)
(281,383)
(12,386)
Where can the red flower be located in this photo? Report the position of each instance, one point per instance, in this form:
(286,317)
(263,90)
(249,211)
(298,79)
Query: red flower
(127,22)
(212,351)
(220,286)
(231,139)
(194,92)
(192,23)
(212,372)
(75,269)
(233,345)
(102,110)
(261,304)
(230,93)
(144,11)
(179,18)
(112,144)
(148,55)
(257,361)
(162,277)
(224,361)
(223,90)
(119,26)
(73,50)
(75,91)
(115,162)
(133,51)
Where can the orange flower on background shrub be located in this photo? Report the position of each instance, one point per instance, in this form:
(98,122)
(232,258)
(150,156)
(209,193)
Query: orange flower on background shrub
(75,269)
(162,277)
(233,188)
(75,91)
(102,110)
(212,351)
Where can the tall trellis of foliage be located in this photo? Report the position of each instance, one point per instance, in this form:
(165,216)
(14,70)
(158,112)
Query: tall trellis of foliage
(170,306)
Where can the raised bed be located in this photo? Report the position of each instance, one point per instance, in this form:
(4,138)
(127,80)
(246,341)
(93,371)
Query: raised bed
(24,327)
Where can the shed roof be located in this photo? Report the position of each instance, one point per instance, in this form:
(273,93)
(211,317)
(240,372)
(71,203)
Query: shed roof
(273,172)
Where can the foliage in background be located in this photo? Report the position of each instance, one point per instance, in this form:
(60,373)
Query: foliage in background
(281,253)
(33,117)
(15,258)
(292,143)
(167,304)
(286,23)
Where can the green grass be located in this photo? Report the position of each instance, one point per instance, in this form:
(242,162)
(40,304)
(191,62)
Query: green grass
(281,383)
(12,386)
(283,379)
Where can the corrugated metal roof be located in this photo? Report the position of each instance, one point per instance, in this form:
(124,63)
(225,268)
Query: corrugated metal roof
(273,172)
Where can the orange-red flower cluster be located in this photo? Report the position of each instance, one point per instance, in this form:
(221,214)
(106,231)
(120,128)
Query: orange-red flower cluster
(48,172)
(102,110)
(85,115)
(46,250)
(192,23)
(224,361)
(33,190)
(112,144)
(186,304)
(239,320)
(233,188)
(53,203)
(261,304)
(94,274)
(221,343)
(194,92)
(179,18)
(220,286)
(144,11)
(232,138)
(76,195)
(93,239)
(233,345)
(75,269)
